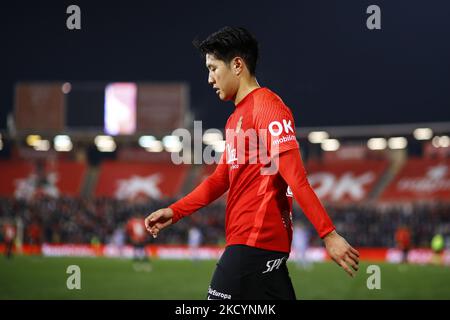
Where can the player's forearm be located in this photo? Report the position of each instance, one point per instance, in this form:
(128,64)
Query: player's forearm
(293,172)
(209,190)
(313,209)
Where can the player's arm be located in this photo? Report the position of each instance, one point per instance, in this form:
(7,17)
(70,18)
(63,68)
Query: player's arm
(209,190)
(293,172)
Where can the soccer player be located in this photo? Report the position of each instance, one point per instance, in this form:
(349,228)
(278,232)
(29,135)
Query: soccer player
(258,218)
(194,242)
(300,244)
(9,234)
(136,232)
(403,238)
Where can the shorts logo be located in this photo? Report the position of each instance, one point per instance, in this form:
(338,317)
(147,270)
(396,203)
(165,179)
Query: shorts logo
(216,295)
(274,264)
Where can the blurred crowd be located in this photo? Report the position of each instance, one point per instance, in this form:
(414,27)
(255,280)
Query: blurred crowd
(376,225)
(79,220)
(82,220)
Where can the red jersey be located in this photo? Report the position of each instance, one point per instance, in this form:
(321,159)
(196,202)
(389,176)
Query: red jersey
(259,201)
(136,230)
(34,232)
(9,232)
(403,238)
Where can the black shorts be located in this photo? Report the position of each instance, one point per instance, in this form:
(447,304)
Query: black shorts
(250,273)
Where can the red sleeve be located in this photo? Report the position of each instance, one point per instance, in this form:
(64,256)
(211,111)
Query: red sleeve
(275,124)
(293,172)
(208,191)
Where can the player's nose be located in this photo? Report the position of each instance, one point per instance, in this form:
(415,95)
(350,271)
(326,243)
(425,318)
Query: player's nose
(211,80)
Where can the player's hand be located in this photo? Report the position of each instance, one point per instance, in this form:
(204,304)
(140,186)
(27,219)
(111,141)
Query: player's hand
(158,220)
(342,253)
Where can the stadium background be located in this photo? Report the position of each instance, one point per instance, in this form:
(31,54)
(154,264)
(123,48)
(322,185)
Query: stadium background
(358,97)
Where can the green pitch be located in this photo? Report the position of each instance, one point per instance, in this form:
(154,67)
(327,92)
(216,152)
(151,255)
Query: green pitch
(103,278)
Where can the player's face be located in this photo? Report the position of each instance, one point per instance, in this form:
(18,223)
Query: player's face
(224,81)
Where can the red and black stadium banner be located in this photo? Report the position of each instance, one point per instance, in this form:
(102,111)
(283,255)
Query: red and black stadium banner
(420,179)
(26,180)
(345,181)
(131,180)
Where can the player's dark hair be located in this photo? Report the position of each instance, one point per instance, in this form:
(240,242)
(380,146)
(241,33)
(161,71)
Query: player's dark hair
(231,42)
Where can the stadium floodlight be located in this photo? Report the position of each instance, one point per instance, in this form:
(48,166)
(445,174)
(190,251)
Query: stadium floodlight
(146,141)
(33,139)
(318,136)
(436,142)
(377,143)
(172,144)
(105,143)
(423,133)
(42,145)
(441,142)
(330,145)
(211,136)
(444,141)
(66,87)
(62,143)
(396,143)
(219,146)
(155,146)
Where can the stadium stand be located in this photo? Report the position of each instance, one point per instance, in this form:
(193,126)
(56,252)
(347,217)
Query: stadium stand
(47,197)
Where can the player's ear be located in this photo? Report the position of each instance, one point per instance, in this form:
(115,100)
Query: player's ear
(238,65)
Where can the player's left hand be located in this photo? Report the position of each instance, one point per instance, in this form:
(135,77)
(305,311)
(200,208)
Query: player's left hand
(158,220)
(342,253)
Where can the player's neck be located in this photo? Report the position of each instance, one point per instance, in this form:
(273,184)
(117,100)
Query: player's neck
(245,88)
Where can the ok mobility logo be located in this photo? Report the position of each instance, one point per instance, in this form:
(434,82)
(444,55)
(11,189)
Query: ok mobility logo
(276,128)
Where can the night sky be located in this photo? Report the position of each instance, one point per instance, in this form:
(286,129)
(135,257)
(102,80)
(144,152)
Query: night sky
(318,56)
